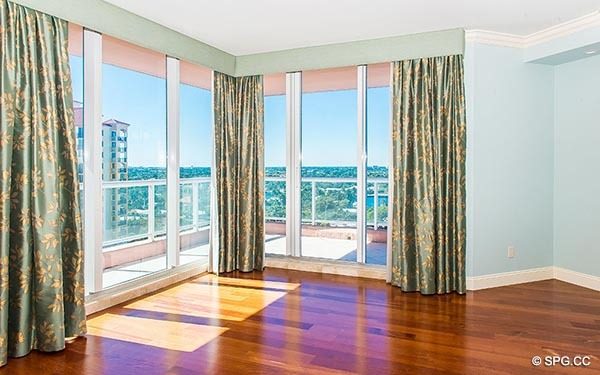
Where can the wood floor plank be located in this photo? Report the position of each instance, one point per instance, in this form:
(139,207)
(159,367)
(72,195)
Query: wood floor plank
(290,322)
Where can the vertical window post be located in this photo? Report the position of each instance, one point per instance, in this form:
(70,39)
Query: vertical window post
(390,181)
(293,163)
(213,252)
(361,172)
(172,162)
(92,120)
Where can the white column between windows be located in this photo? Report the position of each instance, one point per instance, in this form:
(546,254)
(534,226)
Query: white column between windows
(172,162)
(293,163)
(390,181)
(361,171)
(92,161)
(213,252)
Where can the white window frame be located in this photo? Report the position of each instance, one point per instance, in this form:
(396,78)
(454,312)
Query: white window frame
(173,162)
(361,170)
(294,166)
(92,161)
(93,234)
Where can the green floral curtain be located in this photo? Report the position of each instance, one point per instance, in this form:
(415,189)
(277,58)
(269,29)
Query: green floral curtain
(41,277)
(428,166)
(239,151)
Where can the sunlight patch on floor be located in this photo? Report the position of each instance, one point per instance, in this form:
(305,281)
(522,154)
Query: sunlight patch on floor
(249,283)
(159,333)
(215,298)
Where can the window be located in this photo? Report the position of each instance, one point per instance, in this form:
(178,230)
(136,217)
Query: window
(134,191)
(133,149)
(378,139)
(195,154)
(275,164)
(342,163)
(76,65)
(329,163)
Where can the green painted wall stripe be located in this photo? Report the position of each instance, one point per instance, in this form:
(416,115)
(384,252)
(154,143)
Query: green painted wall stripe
(111,20)
(438,43)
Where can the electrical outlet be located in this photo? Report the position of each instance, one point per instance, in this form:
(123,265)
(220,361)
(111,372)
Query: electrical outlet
(511,251)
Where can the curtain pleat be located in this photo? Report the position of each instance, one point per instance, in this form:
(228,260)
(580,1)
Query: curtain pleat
(428,166)
(239,151)
(41,256)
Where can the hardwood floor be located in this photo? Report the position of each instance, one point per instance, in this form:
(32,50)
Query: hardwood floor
(292,322)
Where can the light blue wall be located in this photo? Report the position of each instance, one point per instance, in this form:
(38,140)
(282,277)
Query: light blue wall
(510,160)
(577,166)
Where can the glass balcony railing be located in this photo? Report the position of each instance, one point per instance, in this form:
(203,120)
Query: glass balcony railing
(329,201)
(136,210)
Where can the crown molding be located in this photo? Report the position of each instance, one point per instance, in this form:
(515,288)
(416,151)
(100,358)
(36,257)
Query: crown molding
(495,38)
(538,37)
(563,29)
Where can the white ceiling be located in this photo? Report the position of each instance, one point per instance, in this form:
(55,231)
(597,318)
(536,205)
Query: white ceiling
(243,27)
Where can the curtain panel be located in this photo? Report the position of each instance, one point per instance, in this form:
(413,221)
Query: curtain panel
(428,166)
(41,258)
(239,156)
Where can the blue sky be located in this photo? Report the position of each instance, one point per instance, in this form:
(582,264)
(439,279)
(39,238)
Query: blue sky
(328,121)
(140,100)
(329,129)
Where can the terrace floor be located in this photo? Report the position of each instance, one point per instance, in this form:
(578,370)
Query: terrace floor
(116,275)
(328,248)
(312,246)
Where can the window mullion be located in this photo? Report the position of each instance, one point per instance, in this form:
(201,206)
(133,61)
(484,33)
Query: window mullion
(361,172)
(92,146)
(293,163)
(173,190)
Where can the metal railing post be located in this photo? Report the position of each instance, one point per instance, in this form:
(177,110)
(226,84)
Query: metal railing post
(375,204)
(195,205)
(313,206)
(152,232)
(151,224)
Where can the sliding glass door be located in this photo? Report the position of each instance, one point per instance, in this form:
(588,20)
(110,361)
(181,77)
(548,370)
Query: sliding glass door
(378,146)
(143,124)
(133,161)
(195,159)
(329,164)
(275,164)
(330,183)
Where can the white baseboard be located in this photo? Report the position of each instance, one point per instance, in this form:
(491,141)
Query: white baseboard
(577,278)
(509,278)
(473,283)
(533,274)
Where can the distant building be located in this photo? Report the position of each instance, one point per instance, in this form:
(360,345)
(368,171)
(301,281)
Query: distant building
(114,150)
(114,167)
(78,110)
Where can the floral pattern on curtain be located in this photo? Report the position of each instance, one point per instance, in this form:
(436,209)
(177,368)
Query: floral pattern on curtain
(41,259)
(239,155)
(428,166)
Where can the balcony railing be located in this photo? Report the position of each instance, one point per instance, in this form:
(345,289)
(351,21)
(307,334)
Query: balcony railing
(137,208)
(319,188)
(145,215)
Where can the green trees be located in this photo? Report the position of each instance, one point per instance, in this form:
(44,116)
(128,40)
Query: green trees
(335,201)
